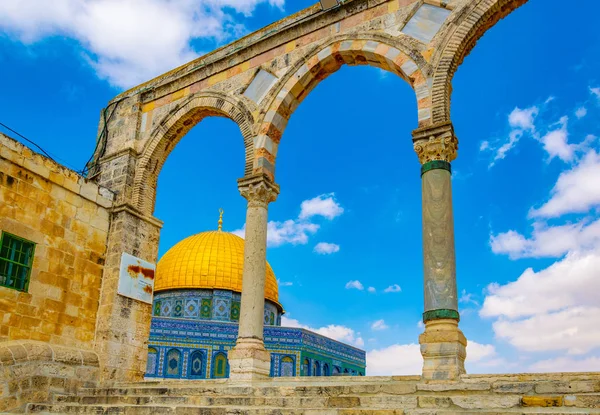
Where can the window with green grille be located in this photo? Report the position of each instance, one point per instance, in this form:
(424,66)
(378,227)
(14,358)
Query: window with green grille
(16,257)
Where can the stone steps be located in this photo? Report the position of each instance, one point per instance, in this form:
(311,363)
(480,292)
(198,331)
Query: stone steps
(520,394)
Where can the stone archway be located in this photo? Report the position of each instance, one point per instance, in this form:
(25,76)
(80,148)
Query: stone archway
(362,49)
(258,82)
(478,18)
(171,129)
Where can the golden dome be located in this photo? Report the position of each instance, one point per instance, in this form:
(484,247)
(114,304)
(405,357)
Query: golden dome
(208,260)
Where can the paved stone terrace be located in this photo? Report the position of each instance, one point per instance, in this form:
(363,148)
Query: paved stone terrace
(473,394)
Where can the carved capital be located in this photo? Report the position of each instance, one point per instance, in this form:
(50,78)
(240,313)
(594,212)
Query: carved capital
(436,142)
(258,190)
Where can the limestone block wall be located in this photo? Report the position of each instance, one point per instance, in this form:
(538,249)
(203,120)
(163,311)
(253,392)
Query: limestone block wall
(33,371)
(67,217)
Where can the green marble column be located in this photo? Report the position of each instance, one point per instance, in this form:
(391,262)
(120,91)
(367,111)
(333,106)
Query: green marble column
(443,345)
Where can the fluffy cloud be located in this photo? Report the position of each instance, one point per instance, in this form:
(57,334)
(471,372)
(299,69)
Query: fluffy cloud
(325,248)
(595,92)
(284,283)
(572,281)
(406,359)
(556,142)
(545,241)
(288,232)
(398,359)
(556,309)
(566,364)
(371,290)
(356,285)
(324,205)
(395,288)
(333,331)
(521,121)
(298,231)
(576,190)
(128,41)
(581,112)
(379,325)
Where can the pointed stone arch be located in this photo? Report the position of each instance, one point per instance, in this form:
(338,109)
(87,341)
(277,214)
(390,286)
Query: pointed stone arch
(171,129)
(477,20)
(381,51)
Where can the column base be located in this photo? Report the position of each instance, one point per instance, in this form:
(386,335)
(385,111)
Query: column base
(249,360)
(444,348)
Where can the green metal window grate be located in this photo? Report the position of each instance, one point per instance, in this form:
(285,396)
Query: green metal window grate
(16,258)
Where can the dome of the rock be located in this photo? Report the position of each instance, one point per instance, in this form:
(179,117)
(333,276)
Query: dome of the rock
(208,260)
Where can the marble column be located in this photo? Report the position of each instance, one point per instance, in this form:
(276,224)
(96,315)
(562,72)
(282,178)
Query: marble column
(249,360)
(443,345)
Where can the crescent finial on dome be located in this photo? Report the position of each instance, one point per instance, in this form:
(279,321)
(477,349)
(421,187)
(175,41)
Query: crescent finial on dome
(221,211)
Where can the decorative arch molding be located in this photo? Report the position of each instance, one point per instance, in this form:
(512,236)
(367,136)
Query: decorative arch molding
(171,129)
(477,21)
(391,54)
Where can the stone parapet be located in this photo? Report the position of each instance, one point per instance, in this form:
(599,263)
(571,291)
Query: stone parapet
(33,371)
(52,172)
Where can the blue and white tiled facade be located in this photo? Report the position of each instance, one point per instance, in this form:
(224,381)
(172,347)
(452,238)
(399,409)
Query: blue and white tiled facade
(192,332)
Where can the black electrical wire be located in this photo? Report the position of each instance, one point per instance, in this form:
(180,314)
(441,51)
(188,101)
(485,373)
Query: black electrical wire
(103,136)
(29,141)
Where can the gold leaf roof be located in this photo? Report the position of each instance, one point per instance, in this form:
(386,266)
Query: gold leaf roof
(208,260)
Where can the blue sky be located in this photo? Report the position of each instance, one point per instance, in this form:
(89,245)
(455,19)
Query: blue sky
(526,183)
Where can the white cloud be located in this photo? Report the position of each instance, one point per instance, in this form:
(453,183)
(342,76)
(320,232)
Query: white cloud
(325,248)
(379,325)
(576,190)
(357,285)
(284,283)
(371,290)
(398,359)
(297,231)
(595,92)
(395,288)
(581,112)
(323,205)
(406,359)
(554,241)
(556,309)
(477,352)
(485,145)
(566,364)
(572,281)
(556,142)
(574,330)
(333,331)
(288,232)
(420,324)
(523,119)
(467,298)
(128,41)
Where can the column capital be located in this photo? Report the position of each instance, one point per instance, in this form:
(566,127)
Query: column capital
(435,142)
(258,190)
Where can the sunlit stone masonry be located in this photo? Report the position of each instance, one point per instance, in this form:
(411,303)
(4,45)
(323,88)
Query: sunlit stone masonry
(80,292)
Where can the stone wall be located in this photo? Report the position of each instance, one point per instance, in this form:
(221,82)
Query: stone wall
(67,217)
(33,371)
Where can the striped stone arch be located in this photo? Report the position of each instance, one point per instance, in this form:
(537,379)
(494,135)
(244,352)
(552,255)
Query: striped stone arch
(380,51)
(458,44)
(165,136)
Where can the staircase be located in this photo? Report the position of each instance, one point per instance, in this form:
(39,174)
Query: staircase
(502,394)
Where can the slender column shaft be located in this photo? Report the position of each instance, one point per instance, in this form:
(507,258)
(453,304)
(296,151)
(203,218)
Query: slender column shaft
(443,345)
(249,360)
(255,268)
(439,264)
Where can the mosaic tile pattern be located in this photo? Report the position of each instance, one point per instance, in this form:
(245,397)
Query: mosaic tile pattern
(209,338)
(220,305)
